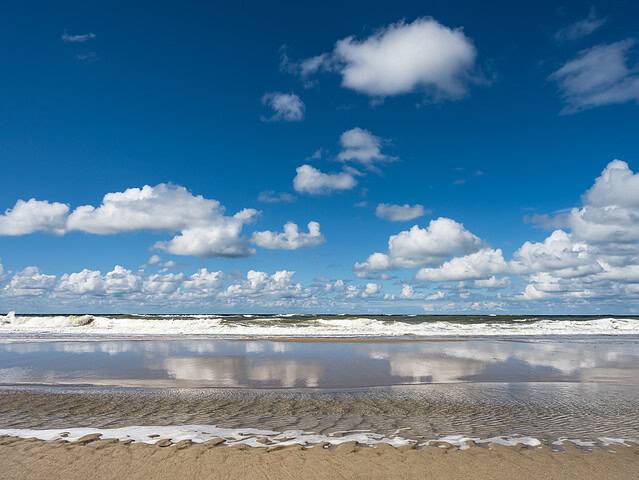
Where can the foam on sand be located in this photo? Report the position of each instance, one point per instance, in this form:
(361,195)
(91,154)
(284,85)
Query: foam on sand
(262,438)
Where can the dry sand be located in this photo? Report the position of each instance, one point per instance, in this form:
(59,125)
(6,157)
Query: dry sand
(103,459)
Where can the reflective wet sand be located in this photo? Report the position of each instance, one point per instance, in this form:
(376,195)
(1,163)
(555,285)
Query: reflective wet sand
(300,364)
(544,388)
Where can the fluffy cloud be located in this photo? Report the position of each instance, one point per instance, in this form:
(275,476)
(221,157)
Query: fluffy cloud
(204,228)
(167,283)
(203,281)
(399,213)
(361,146)
(286,107)
(599,256)
(610,213)
(221,238)
(34,216)
(442,239)
(81,283)
(122,289)
(581,28)
(29,282)
(312,181)
(401,58)
(598,76)
(119,281)
(262,285)
(558,252)
(290,238)
(479,265)
(164,207)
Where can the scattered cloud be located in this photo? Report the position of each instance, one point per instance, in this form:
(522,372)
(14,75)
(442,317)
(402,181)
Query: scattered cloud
(77,38)
(400,58)
(286,107)
(291,238)
(399,213)
(362,147)
(598,76)
(312,181)
(87,57)
(271,196)
(581,28)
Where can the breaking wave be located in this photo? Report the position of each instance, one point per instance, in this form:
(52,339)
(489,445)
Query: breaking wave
(291,325)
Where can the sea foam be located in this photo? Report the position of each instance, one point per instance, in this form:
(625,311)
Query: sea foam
(306,326)
(261,438)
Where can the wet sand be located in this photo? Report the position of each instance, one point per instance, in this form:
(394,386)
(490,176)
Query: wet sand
(423,391)
(35,459)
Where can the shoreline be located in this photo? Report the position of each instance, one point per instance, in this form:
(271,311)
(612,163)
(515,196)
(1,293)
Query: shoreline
(111,459)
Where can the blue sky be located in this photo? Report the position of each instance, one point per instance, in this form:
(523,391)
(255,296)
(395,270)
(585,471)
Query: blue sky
(487,119)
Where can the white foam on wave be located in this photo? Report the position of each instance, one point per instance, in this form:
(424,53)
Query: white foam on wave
(211,325)
(262,438)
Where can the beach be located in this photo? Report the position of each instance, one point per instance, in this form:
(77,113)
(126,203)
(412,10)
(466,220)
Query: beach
(34,459)
(84,401)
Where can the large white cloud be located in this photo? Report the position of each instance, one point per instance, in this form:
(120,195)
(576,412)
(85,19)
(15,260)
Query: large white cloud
(221,238)
(34,216)
(598,76)
(203,227)
(599,257)
(476,266)
(291,238)
(312,181)
(399,213)
(162,207)
(402,58)
(442,239)
(558,252)
(610,213)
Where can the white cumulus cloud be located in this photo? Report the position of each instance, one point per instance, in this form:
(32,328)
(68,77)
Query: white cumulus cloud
(402,58)
(442,239)
(479,265)
(202,226)
(34,216)
(312,181)
(291,238)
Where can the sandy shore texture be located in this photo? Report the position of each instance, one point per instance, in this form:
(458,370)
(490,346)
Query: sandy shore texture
(103,459)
